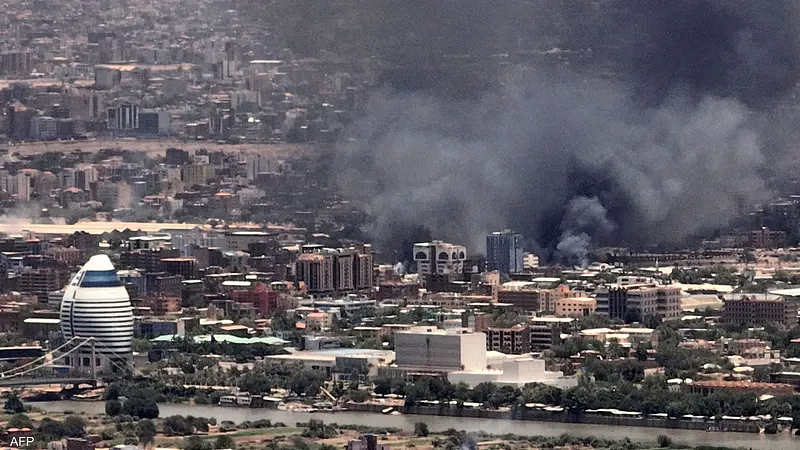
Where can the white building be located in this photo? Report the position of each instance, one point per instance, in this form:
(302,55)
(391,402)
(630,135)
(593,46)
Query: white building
(428,347)
(123,117)
(514,370)
(439,257)
(460,355)
(96,304)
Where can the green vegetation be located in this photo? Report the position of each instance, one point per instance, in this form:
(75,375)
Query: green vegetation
(13,403)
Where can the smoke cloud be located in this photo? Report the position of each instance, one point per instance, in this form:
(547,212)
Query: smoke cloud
(669,145)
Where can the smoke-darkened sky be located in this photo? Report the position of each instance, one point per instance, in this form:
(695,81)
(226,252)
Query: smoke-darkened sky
(668,142)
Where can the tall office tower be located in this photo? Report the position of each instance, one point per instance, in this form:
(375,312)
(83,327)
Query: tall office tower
(504,252)
(97,305)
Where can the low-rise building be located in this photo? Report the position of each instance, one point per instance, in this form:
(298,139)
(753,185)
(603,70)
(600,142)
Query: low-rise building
(575,306)
(757,311)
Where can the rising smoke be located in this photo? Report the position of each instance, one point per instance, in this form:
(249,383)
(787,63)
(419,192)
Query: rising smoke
(671,145)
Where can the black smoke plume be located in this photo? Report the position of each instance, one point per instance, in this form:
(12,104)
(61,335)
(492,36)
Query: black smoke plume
(644,124)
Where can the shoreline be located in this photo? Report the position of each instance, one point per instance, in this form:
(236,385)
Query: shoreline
(756,441)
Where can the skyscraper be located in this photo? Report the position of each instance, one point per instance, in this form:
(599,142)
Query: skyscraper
(96,304)
(504,252)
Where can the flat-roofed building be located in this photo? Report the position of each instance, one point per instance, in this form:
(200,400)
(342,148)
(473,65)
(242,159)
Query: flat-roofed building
(547,331)
(575,306)
(429,347)
(757,311)
(634,302)
(515,340)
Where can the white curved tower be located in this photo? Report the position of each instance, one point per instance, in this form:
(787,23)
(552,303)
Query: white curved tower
(96,304)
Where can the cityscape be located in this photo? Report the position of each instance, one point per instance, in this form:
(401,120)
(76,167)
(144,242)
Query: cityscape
(385,224)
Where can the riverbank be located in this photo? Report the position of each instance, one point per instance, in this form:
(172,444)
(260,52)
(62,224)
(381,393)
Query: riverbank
(543,415)
(436,423)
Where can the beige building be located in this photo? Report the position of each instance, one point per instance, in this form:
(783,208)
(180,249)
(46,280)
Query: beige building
(575,306)
(529,296)
(196,174)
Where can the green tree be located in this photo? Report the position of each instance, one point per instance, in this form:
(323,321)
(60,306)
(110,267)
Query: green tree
(196,443)
(224,441)
(145,431)
(141,405)
(664,441)
(20,421)
(14,403)
(113,407)
(74,426)
(177,426)
(421,429)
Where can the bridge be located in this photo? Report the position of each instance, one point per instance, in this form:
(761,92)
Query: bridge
(28,381)
(26,374)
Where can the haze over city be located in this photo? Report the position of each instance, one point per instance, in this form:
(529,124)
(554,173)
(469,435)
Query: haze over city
(388,224)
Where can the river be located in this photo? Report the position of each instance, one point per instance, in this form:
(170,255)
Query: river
(783,441)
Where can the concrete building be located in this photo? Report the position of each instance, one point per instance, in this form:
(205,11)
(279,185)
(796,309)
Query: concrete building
(332,271)
(430,348)
(758,311)
(124,116)
(547,331)
(197,174)
(514,341)
(461,356)
(16,63)
(575,306)
(96,304)
(42,281)
(529,296)
(634,302)
(44,128)
(154,121)
(106,77)
(439,257)
(504,252)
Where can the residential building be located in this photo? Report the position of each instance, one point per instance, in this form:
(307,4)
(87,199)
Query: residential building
(504,252)
(575,306)
(197,174)
(335,270)
(185,267)
(758,311)
(515,340)
(634,302)
(528,296)
(546,331)
(41,281)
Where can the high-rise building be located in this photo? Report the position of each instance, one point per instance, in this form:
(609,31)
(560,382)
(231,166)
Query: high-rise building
(504,252)
(124,116)
(326,270)
(16,63)
(439,257)
(97,305)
